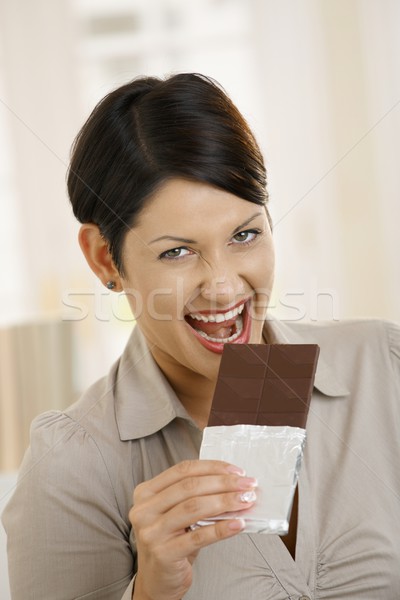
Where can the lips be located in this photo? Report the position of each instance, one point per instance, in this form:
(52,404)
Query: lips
(214,329)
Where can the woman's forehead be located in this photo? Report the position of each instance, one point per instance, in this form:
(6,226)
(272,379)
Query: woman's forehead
(182,203)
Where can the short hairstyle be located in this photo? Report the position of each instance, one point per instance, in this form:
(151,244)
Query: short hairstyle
(151,130)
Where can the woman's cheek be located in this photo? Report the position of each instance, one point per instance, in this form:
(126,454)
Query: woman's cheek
(135,300)
(161,305)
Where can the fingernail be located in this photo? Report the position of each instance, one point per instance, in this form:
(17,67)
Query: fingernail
(249,496)
(236,470)
(247,482)
(237,525)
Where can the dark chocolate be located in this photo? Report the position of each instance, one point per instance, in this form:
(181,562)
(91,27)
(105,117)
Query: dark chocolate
(264,384)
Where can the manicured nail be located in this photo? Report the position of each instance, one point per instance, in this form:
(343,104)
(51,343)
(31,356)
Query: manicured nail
(237,525)
(236,470)
(247,482)
(249,496)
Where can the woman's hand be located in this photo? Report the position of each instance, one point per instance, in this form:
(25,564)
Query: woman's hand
(164,508)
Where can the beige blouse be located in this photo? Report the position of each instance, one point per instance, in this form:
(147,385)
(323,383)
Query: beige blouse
(67,523)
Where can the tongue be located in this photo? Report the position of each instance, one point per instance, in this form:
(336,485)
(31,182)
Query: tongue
(217,330)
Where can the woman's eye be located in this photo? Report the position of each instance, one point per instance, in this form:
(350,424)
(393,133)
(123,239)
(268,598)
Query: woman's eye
(247,236)
(175,253)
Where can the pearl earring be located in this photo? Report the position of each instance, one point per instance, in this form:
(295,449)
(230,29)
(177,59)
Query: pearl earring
(110,285)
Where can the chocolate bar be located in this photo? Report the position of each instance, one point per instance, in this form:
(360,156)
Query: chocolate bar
(264,384)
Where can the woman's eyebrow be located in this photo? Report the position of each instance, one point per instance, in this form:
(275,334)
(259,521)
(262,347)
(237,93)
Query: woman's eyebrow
(174,239)
(257,214)
(187,241)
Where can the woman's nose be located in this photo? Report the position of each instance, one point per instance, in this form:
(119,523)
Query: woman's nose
(223,288)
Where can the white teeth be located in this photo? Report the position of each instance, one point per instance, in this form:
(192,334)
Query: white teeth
(230,314)
(218,317)
(232,338)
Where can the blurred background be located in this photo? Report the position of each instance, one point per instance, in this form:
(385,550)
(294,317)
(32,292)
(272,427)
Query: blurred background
(318,81)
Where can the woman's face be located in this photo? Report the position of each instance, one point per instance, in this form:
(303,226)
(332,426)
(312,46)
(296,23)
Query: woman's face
(199,270)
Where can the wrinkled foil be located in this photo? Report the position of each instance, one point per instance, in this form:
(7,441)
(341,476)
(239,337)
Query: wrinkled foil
(271,454)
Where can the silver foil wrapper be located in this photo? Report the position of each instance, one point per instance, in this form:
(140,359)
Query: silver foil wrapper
(271,454)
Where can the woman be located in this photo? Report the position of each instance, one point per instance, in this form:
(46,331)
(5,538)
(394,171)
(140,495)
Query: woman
(170,187)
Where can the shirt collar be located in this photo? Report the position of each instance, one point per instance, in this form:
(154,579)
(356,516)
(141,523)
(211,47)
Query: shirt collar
(145,402)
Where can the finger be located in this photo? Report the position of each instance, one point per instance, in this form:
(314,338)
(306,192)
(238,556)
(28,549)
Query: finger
(191,542)
(201,508)
(187,468)
(198,486)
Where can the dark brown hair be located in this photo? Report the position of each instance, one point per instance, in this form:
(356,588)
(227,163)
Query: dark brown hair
(151,130)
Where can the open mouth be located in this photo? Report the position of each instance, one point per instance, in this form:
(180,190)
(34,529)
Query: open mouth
(214,329)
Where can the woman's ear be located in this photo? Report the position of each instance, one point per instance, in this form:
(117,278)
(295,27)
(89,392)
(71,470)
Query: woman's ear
(95,249)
